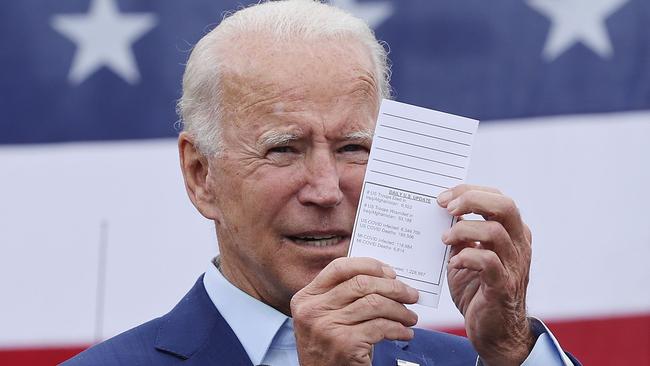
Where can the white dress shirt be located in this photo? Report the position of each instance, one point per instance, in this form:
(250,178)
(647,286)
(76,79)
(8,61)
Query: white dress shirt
(267,335)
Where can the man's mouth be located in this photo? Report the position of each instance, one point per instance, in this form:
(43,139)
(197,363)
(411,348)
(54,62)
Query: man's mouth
(316,240)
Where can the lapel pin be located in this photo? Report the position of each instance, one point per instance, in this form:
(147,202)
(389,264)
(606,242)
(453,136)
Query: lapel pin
(406,363)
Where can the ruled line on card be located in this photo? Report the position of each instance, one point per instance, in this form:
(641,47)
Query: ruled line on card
(409,179)
(422,170)
(420,157)
(426,135)
(422,146)
(427,123)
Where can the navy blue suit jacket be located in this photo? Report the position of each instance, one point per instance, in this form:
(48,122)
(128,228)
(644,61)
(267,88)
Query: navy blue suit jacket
(194,333)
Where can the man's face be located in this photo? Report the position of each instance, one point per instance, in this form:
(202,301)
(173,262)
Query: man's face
(295,148)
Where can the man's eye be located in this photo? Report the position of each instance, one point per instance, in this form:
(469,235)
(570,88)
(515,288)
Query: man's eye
(281,149)
(352,148)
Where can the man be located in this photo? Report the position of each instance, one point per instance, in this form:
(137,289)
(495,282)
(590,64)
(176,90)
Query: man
(279,104)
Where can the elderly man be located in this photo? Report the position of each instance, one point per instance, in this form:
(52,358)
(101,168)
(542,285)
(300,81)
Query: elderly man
(279,104)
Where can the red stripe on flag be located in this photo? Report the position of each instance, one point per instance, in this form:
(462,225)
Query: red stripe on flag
(38,356)
(612,341)
(595,342)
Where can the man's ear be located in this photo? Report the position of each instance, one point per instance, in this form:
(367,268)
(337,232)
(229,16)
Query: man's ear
(195,168)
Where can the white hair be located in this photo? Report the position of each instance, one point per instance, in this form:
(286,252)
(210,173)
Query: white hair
(201,108)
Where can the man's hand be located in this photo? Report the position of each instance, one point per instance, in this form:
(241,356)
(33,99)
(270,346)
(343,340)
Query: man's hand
(488,272)
(352,304)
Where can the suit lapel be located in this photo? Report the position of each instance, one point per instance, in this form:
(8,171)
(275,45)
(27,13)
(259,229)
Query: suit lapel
(195,331)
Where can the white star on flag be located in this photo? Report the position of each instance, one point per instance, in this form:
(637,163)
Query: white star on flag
(574,21)
(104,37)
(374,13)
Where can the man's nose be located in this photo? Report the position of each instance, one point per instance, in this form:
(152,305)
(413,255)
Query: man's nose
(322,181)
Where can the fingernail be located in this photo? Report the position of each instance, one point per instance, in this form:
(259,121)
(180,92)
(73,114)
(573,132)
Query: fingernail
(453,205)
(413,292)
(445,235)
(444,197)
(452,262)
(388,271)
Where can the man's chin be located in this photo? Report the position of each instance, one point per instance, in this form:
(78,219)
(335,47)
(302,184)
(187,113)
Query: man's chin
(309,273)
(307,261)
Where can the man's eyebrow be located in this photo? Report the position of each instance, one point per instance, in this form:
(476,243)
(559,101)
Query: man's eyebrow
(363,135)
(276,138)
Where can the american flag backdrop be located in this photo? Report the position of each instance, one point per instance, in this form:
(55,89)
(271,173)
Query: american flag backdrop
(97,235)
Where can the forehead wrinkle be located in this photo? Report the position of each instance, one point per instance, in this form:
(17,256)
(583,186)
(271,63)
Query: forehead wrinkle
(261,100)
(268,99)
(364,84)
(247,93)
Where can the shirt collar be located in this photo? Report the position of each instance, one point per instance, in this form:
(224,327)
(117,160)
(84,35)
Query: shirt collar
(253,322)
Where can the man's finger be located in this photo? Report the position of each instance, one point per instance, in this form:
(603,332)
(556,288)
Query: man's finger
(493,207)
(363,285)
(485,262)
(342,269)
(376,306)
(375,330)
(491,234)
(449,195)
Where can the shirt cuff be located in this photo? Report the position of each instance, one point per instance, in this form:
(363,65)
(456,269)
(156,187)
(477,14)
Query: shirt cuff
(546,351)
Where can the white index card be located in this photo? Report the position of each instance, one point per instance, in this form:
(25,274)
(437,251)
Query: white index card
(416,154)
